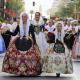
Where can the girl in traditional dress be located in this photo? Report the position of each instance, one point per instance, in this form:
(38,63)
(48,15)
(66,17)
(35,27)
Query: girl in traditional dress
(38,25)
(58,58)
(23,55)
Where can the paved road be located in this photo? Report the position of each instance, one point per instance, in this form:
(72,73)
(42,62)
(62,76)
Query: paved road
(74,76)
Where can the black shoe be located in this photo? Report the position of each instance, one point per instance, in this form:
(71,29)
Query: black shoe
(57,74)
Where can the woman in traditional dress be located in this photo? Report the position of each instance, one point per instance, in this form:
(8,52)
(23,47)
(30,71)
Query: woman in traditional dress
(68,26)
(38,25)
(76,46)
(23,55)
(58,58)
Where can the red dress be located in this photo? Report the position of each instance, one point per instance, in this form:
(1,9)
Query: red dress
(20,61)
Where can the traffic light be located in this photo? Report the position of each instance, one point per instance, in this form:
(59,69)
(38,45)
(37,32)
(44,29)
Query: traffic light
(33,3)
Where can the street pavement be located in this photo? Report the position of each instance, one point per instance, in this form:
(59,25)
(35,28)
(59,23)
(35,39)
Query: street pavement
(43,76)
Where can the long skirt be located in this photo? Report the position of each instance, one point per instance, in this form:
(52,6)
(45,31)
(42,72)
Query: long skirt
(41,42)
(22,58)
(76,47)
(57,62)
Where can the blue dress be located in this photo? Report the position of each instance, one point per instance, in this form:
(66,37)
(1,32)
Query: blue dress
(2,45)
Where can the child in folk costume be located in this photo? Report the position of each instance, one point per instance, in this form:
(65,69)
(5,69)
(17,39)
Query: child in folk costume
(58,58)
(38,25)
(23,55)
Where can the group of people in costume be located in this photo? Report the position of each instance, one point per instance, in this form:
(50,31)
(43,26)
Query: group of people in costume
(38,47)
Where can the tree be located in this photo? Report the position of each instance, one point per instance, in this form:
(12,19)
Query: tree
(15,5)
(67,9)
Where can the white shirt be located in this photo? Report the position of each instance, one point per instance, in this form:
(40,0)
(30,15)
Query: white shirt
(14,25)
(7,25)
(50,29)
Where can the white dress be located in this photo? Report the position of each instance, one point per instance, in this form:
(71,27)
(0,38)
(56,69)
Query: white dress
(40,36)
(41,42)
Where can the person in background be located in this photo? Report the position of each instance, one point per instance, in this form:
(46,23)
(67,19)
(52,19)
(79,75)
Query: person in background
(45,21)
(6,25)
(15,22)
(76,45)
(50,28)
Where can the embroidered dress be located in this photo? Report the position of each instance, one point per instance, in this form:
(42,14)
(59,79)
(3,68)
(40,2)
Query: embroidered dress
(40,36)
(58,57)
(22,56)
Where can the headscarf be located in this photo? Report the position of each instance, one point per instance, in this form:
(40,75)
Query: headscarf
(62,32)
(27,25)
(41,22)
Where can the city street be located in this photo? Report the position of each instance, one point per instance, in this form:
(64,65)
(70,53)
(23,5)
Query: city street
(40,36)
(74,76)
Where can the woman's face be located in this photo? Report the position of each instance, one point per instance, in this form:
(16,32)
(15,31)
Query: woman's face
(59,26)
(37,16)
(24,18)
(50,22)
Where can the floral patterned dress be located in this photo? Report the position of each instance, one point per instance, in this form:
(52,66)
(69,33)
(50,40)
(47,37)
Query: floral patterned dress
(24,60)
(57,62)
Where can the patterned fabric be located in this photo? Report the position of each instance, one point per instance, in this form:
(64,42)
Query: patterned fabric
(57,63)
(76,48)
(27,63)
(59,47)
(37,29)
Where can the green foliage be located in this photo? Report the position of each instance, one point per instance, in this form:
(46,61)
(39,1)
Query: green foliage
(68,8)
(16,5)
(1,19)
